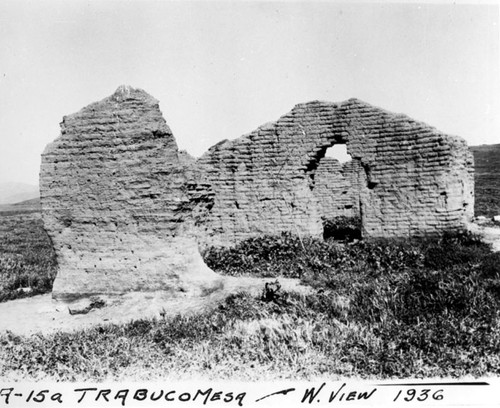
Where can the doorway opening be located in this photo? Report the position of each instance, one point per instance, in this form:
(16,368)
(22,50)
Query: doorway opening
(337,189)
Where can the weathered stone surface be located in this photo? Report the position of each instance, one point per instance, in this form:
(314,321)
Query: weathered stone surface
(406,179)
(114,199)
(123,206)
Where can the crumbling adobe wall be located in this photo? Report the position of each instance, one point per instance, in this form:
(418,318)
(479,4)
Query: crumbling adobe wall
(419,180)
(411,179)
(114,200)
(126,210)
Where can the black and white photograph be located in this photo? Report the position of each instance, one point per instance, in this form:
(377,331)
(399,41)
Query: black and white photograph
(249,203)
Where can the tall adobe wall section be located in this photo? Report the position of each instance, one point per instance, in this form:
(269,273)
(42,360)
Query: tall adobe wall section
(409,179)
(419,180)
(114,201)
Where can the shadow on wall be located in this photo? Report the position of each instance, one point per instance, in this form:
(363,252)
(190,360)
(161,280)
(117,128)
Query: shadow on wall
(342,228)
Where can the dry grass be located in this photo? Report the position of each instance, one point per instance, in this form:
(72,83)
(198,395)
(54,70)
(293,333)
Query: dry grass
(385,310)
(27,260)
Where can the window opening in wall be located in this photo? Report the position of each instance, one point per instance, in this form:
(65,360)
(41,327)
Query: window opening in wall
(339,152)
(345,225)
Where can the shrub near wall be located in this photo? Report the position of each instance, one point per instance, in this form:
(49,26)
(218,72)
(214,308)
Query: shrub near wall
(428,307)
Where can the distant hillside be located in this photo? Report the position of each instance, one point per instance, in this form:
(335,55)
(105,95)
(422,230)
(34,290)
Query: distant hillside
(23,207)
(11,193)
(34,202)
(487,179)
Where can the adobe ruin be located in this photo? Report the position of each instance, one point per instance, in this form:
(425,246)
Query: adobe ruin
(406,178)
(114,200)
(126,210)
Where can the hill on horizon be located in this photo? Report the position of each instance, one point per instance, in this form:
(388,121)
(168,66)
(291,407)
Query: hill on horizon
(12,192)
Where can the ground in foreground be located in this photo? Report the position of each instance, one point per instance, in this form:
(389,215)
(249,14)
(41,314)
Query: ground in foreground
(380,309)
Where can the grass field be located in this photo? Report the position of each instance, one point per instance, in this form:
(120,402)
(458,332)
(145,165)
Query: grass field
(428,308)
(27,260)
(380,309)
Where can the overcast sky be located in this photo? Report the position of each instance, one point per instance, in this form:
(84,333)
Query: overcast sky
(221,69)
